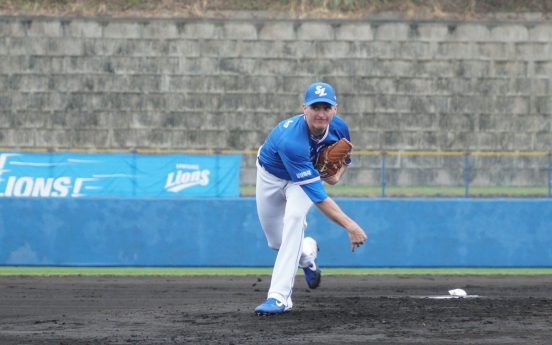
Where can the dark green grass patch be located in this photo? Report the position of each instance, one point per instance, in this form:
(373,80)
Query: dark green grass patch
(254,271)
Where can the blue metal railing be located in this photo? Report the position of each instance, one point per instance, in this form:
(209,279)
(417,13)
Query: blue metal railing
(383,179)
(467,157)
(549,173)
(467,174)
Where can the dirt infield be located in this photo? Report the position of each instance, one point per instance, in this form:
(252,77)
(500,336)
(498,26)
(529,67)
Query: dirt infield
(219,310)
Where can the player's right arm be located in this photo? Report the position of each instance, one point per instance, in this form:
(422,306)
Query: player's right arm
(331,210)
(332,180)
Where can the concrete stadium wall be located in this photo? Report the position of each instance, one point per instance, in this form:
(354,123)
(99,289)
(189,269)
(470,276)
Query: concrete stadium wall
(222,84)
(226,232)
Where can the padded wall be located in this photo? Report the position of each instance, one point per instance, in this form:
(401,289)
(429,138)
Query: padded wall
(226,232)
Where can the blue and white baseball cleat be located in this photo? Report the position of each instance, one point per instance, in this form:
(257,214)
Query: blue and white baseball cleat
(313,275)
(271,306)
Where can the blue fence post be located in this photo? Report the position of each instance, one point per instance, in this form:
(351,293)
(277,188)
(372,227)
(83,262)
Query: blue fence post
(217,168)
(51,168)
(549,171)
(467,174)
(134,170)
(383,174)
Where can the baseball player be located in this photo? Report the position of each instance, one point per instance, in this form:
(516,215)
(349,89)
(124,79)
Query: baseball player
(287,186)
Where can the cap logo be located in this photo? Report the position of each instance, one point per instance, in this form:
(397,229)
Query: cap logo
(320,91)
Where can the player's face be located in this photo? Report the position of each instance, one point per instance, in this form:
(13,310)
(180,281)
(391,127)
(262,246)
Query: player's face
(318,116)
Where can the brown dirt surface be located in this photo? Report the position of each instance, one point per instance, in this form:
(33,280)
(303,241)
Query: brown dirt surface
(375,309)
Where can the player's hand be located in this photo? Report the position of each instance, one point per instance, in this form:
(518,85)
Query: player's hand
(357,237)
(335,178)
(331,180)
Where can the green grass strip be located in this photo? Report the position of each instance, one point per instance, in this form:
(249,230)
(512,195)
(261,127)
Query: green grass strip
(255,271)
(130,271)
(421,191)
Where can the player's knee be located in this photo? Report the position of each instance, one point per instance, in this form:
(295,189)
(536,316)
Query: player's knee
(274,245)
(294,217)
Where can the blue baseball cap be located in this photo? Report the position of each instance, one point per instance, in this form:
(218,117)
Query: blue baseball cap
(320,92)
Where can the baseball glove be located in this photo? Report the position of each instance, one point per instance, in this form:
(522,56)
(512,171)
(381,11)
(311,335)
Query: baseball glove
(332,158)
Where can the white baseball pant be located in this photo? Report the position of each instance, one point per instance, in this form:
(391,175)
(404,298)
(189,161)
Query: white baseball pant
(282,208)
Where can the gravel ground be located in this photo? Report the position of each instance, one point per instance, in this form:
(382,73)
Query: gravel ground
(219,310)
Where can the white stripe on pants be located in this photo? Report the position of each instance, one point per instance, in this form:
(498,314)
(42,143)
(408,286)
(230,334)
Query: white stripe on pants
(282,208)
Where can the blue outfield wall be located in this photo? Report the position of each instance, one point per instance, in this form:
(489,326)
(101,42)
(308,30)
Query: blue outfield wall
(226,232)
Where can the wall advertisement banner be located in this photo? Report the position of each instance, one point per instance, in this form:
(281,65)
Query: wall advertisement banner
(118,175)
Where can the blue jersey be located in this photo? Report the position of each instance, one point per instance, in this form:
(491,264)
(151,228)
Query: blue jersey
(290,152)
